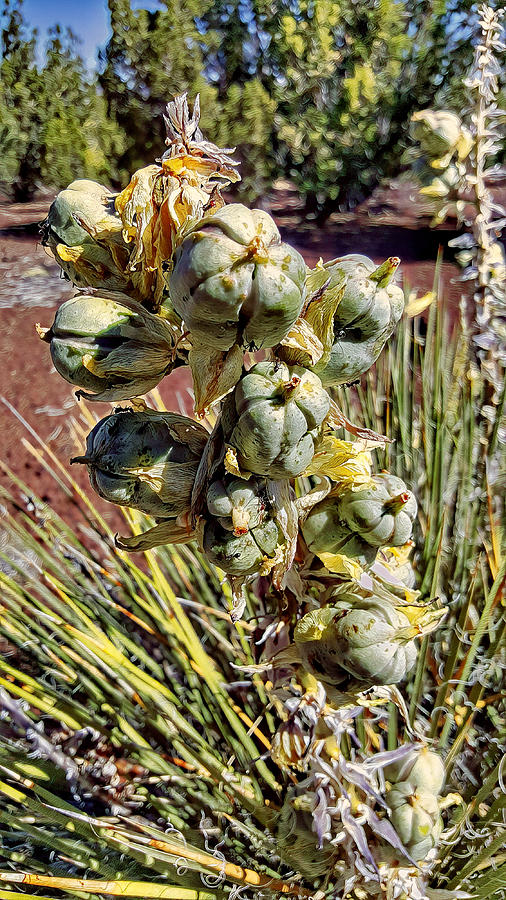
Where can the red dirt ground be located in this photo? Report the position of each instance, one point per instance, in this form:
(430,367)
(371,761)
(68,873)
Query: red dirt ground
(391,223)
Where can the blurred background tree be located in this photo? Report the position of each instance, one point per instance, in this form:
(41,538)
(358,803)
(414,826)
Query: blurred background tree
(53,123)
(150,57)
(348,76)
(317,91)
(237,59)
(21,114)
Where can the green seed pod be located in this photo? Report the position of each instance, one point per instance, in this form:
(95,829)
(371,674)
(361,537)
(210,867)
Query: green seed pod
(325,532)
(279,412)
(147,460)
(368,638)
(356,523)
(405,573)
(233,280)
(237,505)
(84,234)
(422,768)
(240,533)
(443,186)
(297,843)
(415,817)
(365,318)
(110,345)
(382,514)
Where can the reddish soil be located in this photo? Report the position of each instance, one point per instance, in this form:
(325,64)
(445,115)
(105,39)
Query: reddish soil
(31,289)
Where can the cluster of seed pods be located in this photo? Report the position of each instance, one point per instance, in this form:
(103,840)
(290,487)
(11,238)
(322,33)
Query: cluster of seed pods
(169,275)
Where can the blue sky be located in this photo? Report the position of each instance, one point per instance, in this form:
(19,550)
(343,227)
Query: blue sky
(88,18)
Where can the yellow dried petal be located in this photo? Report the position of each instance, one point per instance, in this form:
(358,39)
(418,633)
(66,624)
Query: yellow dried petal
(301,346)
(321,309)
(268,563)
(215,373)
(424,619)
(231,464)
(340,565)
(345,462)
(69,254)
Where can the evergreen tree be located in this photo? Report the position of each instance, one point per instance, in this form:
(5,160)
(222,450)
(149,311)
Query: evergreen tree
(321,91)
(21,112)
(62,136)
(53,123)
(77,139)
(236,61)
(237,45)
(346,77)
(150,57)
(246,122)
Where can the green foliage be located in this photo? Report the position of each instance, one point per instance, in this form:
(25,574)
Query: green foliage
(351,74)
(76,139)
(53,124)
(344,77)
(319,92)
(20,115)
(150,57)
(246,121)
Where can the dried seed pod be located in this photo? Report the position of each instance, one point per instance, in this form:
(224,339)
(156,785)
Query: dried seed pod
(146,460)
(233,280)
(365,317)
(368,638)
(279,412)
(110,345)
(422,768)
(84,234)
(356,523)
(416,819)
(240,534)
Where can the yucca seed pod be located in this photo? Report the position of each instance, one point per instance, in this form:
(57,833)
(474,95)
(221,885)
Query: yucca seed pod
(146,460)
(109,345)
(234,281)
(356,523)
(368,638)
(421,767)
(365,318)
(382,514)
(237,505)
(84,234)
(401,573)
(325,533)
(446,183)
(239,533)
(416,819)
(279,410)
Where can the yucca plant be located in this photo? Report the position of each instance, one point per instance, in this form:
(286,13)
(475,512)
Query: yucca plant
(134,749)
(170,732)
